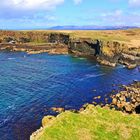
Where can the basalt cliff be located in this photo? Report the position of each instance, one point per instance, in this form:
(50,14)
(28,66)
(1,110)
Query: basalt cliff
(105,51)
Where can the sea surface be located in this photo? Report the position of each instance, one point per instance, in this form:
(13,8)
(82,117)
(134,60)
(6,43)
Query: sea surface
(31,84)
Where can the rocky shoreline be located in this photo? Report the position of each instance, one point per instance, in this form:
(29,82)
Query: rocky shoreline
(36,49)
(126,101)
(107,52)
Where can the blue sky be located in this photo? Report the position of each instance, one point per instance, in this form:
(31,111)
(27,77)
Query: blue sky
(31,14)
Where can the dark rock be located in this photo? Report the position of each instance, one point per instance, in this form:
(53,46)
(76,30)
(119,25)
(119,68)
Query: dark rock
(58,38)
(84,47)
(137,109)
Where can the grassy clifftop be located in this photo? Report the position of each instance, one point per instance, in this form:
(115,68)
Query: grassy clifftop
(94,123)
(109,35)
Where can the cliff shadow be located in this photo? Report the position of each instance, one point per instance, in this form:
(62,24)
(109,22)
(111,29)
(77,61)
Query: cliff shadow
(95,45)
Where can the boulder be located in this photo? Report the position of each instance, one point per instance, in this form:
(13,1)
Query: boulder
(128,107)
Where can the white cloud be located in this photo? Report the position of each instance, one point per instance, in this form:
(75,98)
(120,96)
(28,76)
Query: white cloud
(77,1)
(30,4)
(119,17)
(116,13)
(134,3)
(16,9)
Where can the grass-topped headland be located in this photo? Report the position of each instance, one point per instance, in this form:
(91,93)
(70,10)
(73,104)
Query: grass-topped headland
(94,123)
(115,121)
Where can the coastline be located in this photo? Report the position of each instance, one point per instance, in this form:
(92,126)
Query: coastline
(107,51)
(120,107)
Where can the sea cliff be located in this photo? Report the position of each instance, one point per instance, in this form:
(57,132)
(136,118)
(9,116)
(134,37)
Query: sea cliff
(107,50)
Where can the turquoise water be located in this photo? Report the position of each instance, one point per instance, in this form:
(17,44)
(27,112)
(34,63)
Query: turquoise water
(31,84)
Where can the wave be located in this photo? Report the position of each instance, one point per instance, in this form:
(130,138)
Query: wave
(11,58)
(94,75)
(81,58)
(91,76)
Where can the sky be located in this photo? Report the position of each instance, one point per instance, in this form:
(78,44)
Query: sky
(40,14)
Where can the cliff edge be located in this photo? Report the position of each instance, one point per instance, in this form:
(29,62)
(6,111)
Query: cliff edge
(92,123)
(108,47)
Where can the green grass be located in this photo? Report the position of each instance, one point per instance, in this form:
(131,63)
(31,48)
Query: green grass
(94,123)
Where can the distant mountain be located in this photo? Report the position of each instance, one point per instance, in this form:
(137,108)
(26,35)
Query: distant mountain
(91,27)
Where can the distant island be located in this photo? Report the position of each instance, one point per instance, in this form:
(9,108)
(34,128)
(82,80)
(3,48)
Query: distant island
(91,27)
(74,27)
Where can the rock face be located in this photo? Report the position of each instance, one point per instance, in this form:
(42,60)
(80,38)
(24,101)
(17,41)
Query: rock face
(130,57)
(84,47)
(113,53)
(108,53)
(58,38)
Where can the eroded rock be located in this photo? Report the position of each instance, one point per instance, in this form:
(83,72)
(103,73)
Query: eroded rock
(46,120)
(128,100)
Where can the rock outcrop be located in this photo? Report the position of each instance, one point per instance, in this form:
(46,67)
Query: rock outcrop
(130,57)
(84,47)
(128,100)
(51,48)
(58,38)
(108,53)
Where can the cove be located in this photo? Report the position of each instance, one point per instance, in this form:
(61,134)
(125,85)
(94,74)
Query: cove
(31,84)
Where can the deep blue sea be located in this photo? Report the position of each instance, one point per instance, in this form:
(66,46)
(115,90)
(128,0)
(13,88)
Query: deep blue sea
(31,84)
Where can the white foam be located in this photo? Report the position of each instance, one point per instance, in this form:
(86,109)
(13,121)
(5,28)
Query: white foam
(11,58)
(94,75)
(11,107)
(81,58)
(91,76)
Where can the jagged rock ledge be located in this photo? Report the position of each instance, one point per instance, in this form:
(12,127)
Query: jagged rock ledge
(36,49)
(128,100)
